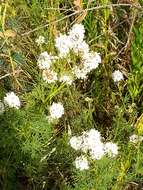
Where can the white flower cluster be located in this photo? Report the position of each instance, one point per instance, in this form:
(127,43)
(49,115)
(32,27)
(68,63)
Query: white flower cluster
(49,76)
(135,139)
(81,163)
(56,111)
(90,142)
(12,100)
(45,60)
(63,44)
(117,76)
(40,40)
(72,42)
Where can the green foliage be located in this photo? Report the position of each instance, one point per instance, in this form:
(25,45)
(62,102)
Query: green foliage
(135,79)
(24,136)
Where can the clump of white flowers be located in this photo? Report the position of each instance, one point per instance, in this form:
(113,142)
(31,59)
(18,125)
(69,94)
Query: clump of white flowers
(45,60)
(90,142)
(135,138)
(40,40)
(81,48)
(63,45)
(81,163)
(117,76)
(76,34)
(56,110)
(49,76)
(12,100)
(97,151)
(80,73)
(73,42)
(76,142)
(91,61)
(111,149)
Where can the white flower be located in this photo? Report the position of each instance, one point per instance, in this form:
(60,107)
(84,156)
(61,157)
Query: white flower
(81,163)
(97,151)
(87,141)
(135,138)
(63,44)
(67,79)
(76,34)
(117,76)
(91,61)
(40,40)
(45,60)
(12,100)
(49,76)
(91,138)
(81,47)
(80,73)
(92,142)
(1,107)
(111,149)
(76,142)
(56,110)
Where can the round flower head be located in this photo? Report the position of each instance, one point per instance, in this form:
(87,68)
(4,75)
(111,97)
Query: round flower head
(97,151)
(81,48)
(111,149)
(80,73)
(45,60)
(76,142)
(49,76)
(92,143)
(12,100)
(56,110)
(91,61)
(40,40)
(92,137)
(81,163)
(135,138)
(63,44)
(76,34)
(117,76)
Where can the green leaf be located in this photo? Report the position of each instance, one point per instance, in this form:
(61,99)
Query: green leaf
(18,58)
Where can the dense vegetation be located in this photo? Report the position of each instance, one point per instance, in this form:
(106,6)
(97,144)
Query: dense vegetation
(35,152)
